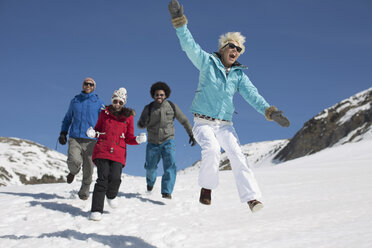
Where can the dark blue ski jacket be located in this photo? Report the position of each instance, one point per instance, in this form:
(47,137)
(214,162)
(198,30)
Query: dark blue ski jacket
(82,113)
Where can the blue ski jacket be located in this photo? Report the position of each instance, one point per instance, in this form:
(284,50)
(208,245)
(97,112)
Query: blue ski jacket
(82,113)
(215,92)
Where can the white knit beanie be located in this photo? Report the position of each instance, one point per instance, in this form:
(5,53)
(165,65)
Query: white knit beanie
(120,94)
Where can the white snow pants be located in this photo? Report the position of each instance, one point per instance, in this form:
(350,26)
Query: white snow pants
(211,136)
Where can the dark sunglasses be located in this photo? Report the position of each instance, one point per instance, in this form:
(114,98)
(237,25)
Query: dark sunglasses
(232,46)
(156,95)
(88,84)
(117,101)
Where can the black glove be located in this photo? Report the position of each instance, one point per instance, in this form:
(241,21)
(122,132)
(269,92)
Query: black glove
(175,9)
(192,140)
(62,138)
(280,119)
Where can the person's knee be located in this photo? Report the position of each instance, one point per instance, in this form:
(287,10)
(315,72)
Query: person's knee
(235,152)
(212,149)
(101,186)
(151,166)
(116,176)
(75,158)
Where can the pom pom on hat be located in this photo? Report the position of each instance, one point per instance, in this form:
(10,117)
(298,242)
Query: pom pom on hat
(90,80)
(120,94)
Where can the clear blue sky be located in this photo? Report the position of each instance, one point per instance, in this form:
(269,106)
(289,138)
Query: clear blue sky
(303,56)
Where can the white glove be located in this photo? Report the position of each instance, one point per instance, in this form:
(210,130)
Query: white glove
(141,138)
(91,133)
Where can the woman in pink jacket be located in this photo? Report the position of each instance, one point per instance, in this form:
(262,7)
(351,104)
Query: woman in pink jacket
(114,130)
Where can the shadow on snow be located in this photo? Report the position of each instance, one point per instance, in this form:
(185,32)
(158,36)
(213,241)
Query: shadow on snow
(61,207)
(138,196)
(45,196)
(113,241)
(41,196)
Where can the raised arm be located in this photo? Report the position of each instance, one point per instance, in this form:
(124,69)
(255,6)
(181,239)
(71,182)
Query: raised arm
(188,44)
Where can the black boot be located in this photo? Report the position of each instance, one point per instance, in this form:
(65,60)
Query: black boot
(205,196)
(149,188)
(70,178)
(255,205)
(166,195)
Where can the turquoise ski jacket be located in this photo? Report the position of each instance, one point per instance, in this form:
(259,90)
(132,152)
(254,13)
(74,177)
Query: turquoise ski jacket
(215,92)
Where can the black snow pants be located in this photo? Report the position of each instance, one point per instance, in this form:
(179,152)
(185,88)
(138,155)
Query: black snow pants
(107,184)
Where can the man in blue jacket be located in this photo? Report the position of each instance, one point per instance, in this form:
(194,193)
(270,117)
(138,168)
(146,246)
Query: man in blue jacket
(221,75)
(82,113)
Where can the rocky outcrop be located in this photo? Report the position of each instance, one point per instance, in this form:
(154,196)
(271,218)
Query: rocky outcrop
(348,121)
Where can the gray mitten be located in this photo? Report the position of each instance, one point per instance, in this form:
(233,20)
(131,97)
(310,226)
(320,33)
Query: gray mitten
(175,9)
(279,118)
(273,114)
(176,12)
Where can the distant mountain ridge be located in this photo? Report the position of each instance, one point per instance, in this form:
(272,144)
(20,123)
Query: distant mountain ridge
(27,162)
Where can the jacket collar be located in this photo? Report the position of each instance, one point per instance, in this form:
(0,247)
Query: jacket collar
(84,95)
(217,58)
(158,105)
(124,113)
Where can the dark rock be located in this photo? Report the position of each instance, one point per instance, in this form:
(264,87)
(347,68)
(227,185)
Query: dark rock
(344,122)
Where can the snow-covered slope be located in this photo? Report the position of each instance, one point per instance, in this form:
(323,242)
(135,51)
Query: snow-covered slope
(257,153)
(262,153)
(26,162)
(321,200)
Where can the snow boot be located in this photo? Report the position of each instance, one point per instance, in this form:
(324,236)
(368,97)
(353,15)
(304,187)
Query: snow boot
(70,178)
(96,216)
(166,195)
(113,203)
(255,205)
(205,196)
(149,188)
(83,197)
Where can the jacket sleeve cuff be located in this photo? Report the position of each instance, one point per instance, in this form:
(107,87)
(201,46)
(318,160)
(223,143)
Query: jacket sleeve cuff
(179,21)
(269,111)
(140,125)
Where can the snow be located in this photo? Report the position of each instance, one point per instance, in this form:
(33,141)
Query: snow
(321,115)
(352,102)
(19,156)
(262,153)
(32,160)
(321,200)
(354,111)
(353,136)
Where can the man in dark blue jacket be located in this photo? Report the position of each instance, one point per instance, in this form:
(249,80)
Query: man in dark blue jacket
(82,113)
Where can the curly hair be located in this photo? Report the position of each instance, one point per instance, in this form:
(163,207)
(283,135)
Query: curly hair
(160,86)
(232,36)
